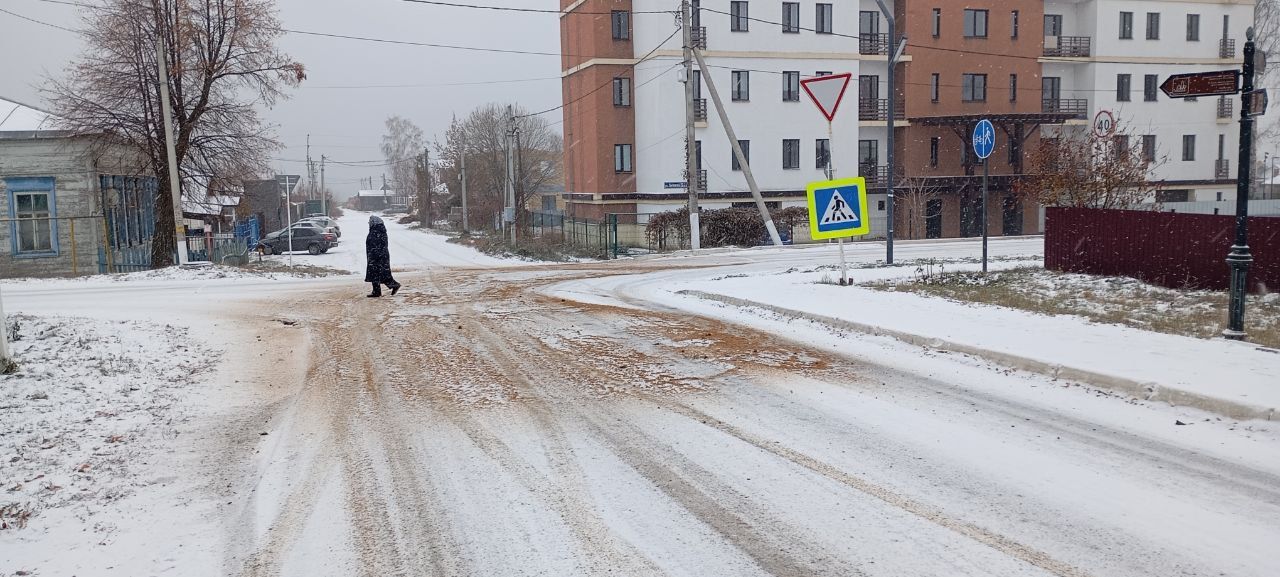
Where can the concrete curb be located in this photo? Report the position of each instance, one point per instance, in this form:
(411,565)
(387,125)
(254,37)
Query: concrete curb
(1139,389)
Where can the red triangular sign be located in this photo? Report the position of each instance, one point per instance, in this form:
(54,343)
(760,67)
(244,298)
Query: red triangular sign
(827,92)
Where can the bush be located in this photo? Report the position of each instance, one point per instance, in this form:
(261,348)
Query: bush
(723,227)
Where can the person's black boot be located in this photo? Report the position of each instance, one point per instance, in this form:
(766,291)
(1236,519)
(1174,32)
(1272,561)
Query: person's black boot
(395,288)
(375,295)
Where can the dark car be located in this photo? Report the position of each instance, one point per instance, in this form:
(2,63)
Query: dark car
(310,238)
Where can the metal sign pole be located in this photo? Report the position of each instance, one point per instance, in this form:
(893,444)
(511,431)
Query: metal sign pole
(831,175)
(986,169)
(1240,258)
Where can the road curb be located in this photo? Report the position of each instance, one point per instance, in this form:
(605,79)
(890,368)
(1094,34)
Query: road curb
(1140,389)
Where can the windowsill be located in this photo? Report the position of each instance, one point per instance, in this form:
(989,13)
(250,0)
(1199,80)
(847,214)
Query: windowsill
(744,30)
(737,100)
(34,255)
(622,106)
(790,31)
(974,101)
(827,33)
(624,172)
(975,37)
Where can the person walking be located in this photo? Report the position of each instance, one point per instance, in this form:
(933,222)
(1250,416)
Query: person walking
(378,270)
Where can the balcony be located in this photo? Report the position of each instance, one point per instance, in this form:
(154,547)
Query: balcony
(1227,48)
(878,109)
(1077,107)
(699,36)
(702,179)
(1067,46)
(1222,168)
(1226,107)
(873,44)
(700,110)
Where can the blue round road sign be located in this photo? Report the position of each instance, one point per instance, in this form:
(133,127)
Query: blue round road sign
(984,139)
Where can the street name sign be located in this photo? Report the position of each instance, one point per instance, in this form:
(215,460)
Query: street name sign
(827,92)
(838,208)
(984,138)
(675,184)
(1214,83)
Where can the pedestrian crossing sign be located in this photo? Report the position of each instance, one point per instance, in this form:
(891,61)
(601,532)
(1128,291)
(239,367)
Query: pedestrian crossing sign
(838,209)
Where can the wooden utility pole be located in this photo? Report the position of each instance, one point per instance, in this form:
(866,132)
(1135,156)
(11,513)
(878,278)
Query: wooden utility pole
(690,136)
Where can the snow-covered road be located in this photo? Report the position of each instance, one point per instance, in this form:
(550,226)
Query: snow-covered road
(553,420)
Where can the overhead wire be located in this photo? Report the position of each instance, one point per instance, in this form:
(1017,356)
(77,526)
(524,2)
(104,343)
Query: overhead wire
(533,10)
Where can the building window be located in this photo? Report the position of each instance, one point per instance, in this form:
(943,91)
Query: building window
(1126,25)
(1188,147)
(1149,147)
(1193,27)
(621,25)
(821,73)
(823,152)
(1120,146)
(738,18)
(974,88)
(622,91)
(34,230)
(1013,24)
(745,145)
(790,86)
(791,17)
(937,22)
(741,86)
(1015,151)
(933,87)
(868,156)
(934,141)
(622,158)
(1153,25)
(975,23)
(1122,88)
(823,24)
(790,154)
(1149,87)
(1013,88)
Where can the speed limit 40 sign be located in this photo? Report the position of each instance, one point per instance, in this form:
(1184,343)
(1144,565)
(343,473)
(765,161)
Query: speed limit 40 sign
(1104,124)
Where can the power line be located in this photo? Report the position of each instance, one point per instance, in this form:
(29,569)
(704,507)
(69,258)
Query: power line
(29,19)
(437,85)
(533,10)
(610,82)
(422,44)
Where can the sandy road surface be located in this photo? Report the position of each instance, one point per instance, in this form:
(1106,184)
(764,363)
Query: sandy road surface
(472,426)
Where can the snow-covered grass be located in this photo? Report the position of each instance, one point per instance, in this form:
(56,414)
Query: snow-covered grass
(1117,300)
(85,409)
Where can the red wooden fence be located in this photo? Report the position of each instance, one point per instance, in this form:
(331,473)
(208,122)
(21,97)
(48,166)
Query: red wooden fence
(1168,249)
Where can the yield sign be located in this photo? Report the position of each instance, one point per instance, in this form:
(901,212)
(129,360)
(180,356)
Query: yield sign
(827,92)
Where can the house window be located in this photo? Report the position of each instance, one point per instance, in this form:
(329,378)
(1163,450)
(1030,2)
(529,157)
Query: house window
(1122,87)
(823,24)
(1013,24)
(823,152)
(974,88)
(934,141)
(31,206)
(1120,146)
(622,158)
(621,25)
(738,18)
(791,86)
(937,22)
(1126,25)
(1193,27)
(1149,87)
(868,156)
(975,23)
(1149,147)
(791,17)
(821,73)
(741,86)
(745,145)
(1188,147)
(1153,25)
(1013,88)
(622,91)
(790,154)
(933,87)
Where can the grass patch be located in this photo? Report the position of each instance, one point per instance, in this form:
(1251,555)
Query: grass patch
(298,269)
(534,249)
(1113,300)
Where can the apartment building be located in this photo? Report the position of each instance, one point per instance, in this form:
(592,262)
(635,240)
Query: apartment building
(1035,68)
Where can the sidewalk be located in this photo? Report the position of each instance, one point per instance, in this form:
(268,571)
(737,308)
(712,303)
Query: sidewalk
(1236,380)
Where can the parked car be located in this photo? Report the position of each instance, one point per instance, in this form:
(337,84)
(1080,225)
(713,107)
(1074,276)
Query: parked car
(328,223)
(309,237)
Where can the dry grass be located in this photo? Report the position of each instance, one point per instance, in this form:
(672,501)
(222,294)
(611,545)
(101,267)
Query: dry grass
(1114,300)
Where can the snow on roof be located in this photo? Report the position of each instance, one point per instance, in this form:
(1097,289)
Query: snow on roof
(18,117)
(376,193)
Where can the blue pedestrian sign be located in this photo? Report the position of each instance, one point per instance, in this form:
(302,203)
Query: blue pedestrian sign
(984,139)
(838,208)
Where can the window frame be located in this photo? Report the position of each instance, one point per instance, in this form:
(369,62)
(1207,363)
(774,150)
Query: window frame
(1189,152)
(740,86)
(739,21)
(1124,87)
(790,17)
(1153,32)
(986,22)
(935,142)
(791,86)
(1193,31)
(1126,25)
(623,163)
(620,24)
(791,154)
(821,151)
(622,92)
(1013,88)
(734,165)
(818,27)
(1150,87)
(1013,24)
(1149,147)
(969,87)
(935,83)
(33,186)
(937,23)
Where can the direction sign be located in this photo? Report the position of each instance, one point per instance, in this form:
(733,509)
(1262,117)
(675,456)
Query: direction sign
(1202,84)
(838,208)
(1104,124)
(827,92)
(984,139)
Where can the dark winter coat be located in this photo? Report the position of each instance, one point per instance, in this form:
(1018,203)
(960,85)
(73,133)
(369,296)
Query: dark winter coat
(375,246)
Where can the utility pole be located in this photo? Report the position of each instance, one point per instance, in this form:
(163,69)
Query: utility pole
(690,136)
(896,48)
(509,215)
(1240,258)
(737,149)
(426,175)
(6,360)
(175,184)
(311,172)
(464,188)
(324,192)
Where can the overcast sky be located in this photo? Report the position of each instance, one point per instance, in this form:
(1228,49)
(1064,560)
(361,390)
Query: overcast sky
(346,124)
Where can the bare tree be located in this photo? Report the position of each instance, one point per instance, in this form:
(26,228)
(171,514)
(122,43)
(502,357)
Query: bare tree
(223,62)
(402,146)
(913,202)
(1081,169)
(482,136)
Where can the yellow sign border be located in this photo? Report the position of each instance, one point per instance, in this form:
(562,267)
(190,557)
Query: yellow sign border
(813,187)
